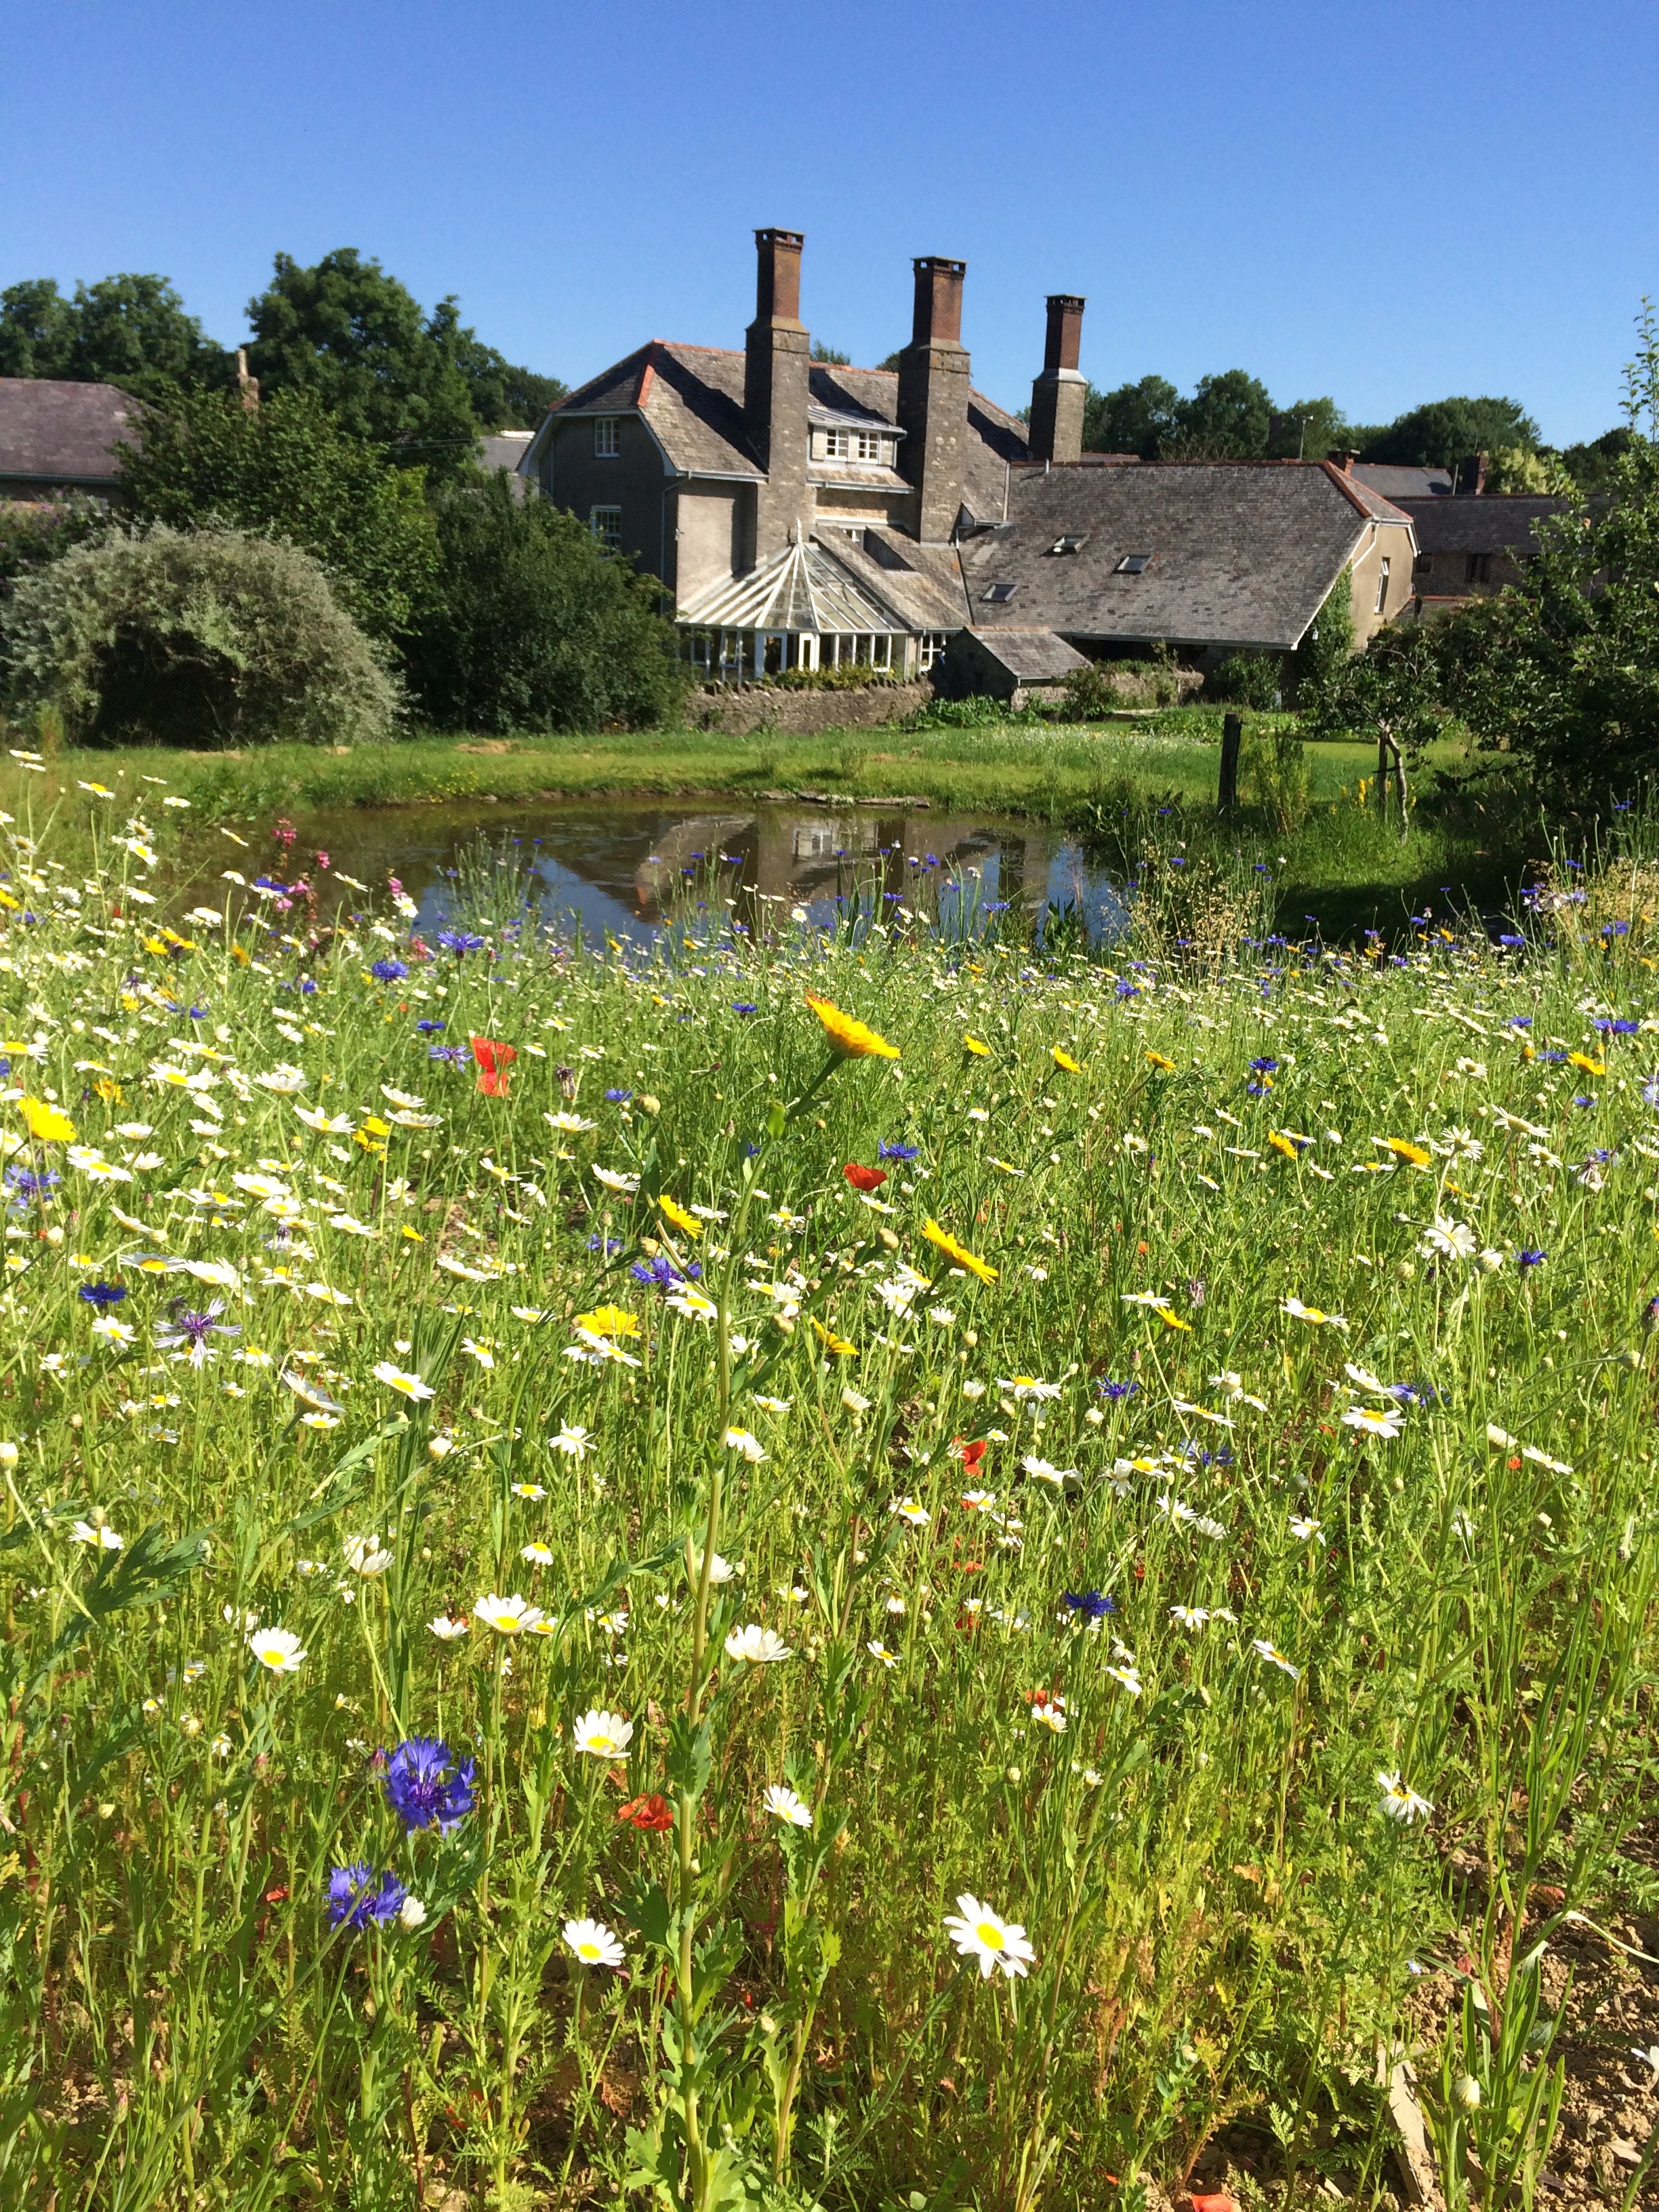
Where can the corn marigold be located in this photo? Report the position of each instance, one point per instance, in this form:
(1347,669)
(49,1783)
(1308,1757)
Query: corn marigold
(850,1037)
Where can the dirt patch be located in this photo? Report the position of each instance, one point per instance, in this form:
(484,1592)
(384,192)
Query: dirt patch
(488,745)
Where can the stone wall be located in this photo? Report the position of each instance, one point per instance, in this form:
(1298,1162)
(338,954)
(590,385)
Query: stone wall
(735,712)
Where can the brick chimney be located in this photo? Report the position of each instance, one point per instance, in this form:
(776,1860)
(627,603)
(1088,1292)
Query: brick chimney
(1469,475)
(774,392)
(1057,395)
(933,398)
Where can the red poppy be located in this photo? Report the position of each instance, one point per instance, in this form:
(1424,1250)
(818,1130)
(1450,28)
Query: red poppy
(972,1455)
(493,1061)
(1219,2201)
(863,1178)
(653,1814)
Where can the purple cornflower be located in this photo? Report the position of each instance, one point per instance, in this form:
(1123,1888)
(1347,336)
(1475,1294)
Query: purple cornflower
(355,1897)
(886,1152)
(458,941)
(1265,1066)
(186,1334)
(1530,1257)
(1093,1605)
(618,1098)
(456,1054)
(389,971)
(662,1272)
(1108,1389)
(606,1244)
(1123,988)
(431,1028)
(25,1185)
(423,1784)
(103,1294)
(744,1006)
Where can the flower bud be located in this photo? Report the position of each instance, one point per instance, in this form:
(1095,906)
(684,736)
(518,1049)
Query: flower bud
(1466,2092)
(7,1453)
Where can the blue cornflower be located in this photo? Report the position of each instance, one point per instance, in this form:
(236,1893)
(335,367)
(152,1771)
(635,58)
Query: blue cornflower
(1583,1099)
(1554,1056)
(1093,1605)
(1615,929)
(1622,1028)
(662,1272)
(1520,1021)
(1123,988)
(198,1013)
(1108,1389)
(1267,1066)
(458,941)
(1530,1257)
(429,1029)
(389,971)
(744,1006)
(355,1897)
(608,1245)
(886,1152)
(618,1098)
(423,1784)
(1509,938)
(25,1185)
(456,1054)
(103,1294)
(1650,1091)
(308,986)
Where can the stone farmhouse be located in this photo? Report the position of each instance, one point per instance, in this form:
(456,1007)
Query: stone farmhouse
(802,515)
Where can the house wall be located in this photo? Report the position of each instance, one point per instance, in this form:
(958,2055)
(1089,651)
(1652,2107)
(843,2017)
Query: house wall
(1446,575)
(635,479)
(1389,541)
(713,536)
(875,509)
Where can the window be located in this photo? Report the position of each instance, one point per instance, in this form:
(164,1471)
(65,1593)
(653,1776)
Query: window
(869,445)
(1069,545)
(930,647)
(1132,564)
(999,595)
(837,445)
(606,523)
(1382,584)
(1479,566)
(605,437)
(1423,565)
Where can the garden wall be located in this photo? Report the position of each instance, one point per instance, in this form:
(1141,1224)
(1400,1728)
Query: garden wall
(736,712)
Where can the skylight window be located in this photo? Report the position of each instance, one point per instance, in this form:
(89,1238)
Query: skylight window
(1132,564)
(999,595)
(1070,544)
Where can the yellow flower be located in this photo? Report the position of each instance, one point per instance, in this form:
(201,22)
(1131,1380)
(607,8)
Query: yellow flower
(1281,1143)
(1403,1151)
(850,1037)
(7,901)
(609,1320)
(1157,1060)
(970,1044)
(1064,1060)
(673,1211)
(1590,1067)
(108,1090)
(376,1127)
(413,1235)
(1170,1318)
(959,1253)
(46,1121)
(838,1345)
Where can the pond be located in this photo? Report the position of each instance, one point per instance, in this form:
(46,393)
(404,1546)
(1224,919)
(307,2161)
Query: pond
(622,868)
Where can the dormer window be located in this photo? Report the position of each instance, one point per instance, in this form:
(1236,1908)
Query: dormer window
(605,437)
(834,444)
(868,446)
(1132,564)
(837,445)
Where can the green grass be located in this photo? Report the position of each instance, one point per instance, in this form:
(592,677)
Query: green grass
(1315,1581)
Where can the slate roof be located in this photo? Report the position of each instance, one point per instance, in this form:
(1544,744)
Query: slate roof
(1030,656)
(1395,481)
(922,583)
(1243,552)
(503,449)
(61,432)
(692,398)
(1495,522)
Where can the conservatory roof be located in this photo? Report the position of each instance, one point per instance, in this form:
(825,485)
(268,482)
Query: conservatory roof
(799,588)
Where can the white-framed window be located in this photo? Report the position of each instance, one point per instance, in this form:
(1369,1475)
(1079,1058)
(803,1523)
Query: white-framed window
(931,648)
(605,437)
(836,445)
(1382,584)
(606,523)
(869,445)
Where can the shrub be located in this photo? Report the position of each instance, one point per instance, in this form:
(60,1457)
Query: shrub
(1248,679)
(1273,774)
(205,638)
(31,535)
(535,627)
(971,713)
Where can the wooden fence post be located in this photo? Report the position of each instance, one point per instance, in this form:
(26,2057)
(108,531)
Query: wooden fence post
(1232,730)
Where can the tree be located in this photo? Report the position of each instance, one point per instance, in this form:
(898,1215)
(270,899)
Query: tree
(1444,431)
(1135,418)
(37,330)
(828,356)
(128,330)
(1307,431)
(289,470)
(535,627)
(1512,469)
(422,387)
(1227,419)
(207,637)
(1590,466)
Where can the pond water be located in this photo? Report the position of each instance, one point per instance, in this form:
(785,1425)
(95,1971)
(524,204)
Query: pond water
(622,868)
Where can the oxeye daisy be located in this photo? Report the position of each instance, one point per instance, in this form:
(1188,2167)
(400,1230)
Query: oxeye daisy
(980,1933)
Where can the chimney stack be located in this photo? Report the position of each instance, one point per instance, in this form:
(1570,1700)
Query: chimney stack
(933,398)
(775,392)
(1469,475)
(1057,395)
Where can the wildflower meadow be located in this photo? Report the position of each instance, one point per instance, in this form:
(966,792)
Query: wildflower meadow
(815,1567)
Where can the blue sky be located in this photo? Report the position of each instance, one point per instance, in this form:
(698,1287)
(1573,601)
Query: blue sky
(1386,203)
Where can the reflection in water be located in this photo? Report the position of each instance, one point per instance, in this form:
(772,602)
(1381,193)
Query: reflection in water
(623,869)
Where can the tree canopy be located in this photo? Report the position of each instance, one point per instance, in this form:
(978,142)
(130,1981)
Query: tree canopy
(1447,430)
(289,470)
(129,330)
